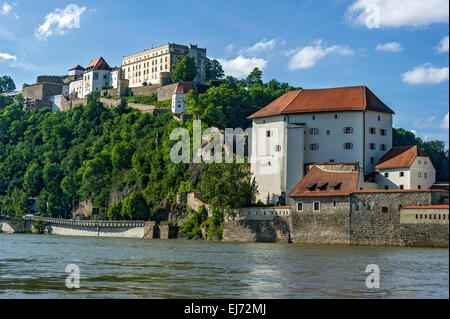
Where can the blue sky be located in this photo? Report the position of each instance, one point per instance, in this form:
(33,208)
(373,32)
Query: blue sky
(398,48)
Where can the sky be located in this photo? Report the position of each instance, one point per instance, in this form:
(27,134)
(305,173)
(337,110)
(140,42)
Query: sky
(397,48)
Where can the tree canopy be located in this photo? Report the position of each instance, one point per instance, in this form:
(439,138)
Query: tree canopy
(185,69)
(214,70)
(6,84)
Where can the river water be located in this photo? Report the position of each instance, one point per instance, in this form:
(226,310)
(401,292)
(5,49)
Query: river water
(34,266)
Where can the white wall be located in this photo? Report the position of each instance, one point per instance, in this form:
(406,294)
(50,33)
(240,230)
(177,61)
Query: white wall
(384,122)
(76,86)
(178,105)
(56,102)
(423,166)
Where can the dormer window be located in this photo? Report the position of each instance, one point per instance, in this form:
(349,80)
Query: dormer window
(322,186)
(336,186)
(312,187)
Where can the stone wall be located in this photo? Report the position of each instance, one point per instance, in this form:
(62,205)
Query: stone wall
(243,230)
(111,102)
(41,91)
(165,92)
(330,225)
(168,231)
(50,79)
(143,90)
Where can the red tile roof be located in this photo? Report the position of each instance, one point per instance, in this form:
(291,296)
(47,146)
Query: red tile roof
(326,183)
(353,98)
(429,207)
(399,157)
(78,67)
(183,87)
(98,64)
(399,190)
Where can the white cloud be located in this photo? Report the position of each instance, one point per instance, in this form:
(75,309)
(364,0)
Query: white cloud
(58,21)
(426,74)
(308,56)
(6,8)
(263,45)
(444,123)
(7,57)
(398,13)
(390,47)
(443,45)
(241,66)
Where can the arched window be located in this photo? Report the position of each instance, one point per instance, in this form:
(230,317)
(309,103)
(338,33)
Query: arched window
(358,206)
(370,206)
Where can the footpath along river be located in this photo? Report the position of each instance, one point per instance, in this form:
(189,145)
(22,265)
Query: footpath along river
(34,266)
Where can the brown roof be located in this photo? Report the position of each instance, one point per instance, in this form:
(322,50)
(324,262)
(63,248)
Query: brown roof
(398,190)
(352,98)
(400,157)
(98,64)
(183,87)
(78,67)
(326,183)
(429,207)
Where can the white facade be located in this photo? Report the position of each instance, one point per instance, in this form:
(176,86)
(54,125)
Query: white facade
(297,139)
(178,105)
(76,86)
(421,175)
(75,72)
(96,80)
(56,102)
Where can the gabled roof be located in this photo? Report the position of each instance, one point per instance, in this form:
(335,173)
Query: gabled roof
(98,64)
(326,183)
(399,157)
(78,67)
(352,98)
(183,87)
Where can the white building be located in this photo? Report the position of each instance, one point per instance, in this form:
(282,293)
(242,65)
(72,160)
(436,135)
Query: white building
(405,167)
(348,124)
(178,105)
(97,76)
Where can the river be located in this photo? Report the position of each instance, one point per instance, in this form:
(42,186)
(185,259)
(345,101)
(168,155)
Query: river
(34,266)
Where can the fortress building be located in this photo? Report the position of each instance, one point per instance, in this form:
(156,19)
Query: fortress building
(341,129)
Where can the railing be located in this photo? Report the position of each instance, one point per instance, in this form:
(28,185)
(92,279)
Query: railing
(88,223)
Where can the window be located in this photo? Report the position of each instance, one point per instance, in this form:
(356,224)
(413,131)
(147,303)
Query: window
(372,160)
(373,146)
(348,146)
(314,117)
(379,118)
(104,76)
(316,206)
(383,147)
(402,187)
(314,147)
(313,131)
(328,132)
(401,174)
(382,131)
(335,116)
(386,174)
(348,130)
(386,187)
(419,187)
(424,162)
(277,148)
(420,162)
(425,175)
(384,209)
(372,130)
(300,206)
(370,206)
(419,174)
(268,133)
(334,203)
(358,206)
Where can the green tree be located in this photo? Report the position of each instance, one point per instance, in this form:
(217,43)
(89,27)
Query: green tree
(121,155)
(255,77)
(214,70)
(185,69)
(6,84)
(135,207)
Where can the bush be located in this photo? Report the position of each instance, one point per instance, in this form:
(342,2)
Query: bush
(192,228)
(38,227)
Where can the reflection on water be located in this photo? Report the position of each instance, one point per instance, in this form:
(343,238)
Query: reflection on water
(33,266)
